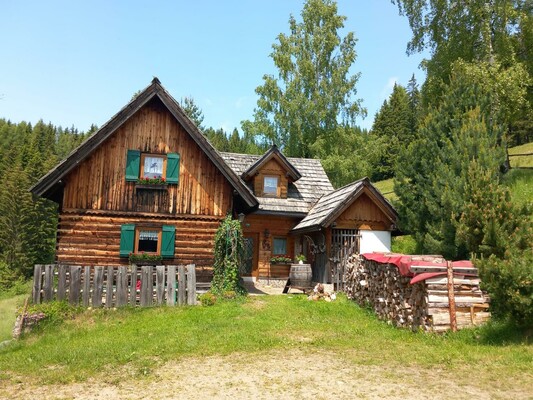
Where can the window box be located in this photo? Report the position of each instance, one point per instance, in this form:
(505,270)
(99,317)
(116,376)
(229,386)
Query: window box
(144,186)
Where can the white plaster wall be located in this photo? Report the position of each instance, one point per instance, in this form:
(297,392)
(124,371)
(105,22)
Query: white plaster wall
(371,241)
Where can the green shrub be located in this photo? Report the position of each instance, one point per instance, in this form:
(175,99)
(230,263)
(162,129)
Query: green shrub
(207,299)
(55,311)
(510,285)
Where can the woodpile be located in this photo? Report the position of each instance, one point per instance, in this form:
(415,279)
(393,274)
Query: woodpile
(418,298)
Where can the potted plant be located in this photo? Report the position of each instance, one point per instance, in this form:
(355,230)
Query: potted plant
(301,258)
(143,258)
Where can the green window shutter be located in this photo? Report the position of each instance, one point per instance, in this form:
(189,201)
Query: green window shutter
(168,241)
(127,239)
(173,167)
(133,165)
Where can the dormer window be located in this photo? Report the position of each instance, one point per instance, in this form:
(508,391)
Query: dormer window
(270,186)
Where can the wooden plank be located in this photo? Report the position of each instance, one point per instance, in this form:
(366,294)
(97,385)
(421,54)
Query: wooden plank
(133,285)
(74,285)
(171,285)
(48,289)
(61,282)
(160,284)
(146,286)
(109,287)
(182,291)
(191,284)
(122,287)
(37,282)
(451,297)
(437,268)
(86,295)
(98,288)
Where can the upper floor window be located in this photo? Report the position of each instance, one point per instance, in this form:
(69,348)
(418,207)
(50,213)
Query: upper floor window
(270,186)
(153,166)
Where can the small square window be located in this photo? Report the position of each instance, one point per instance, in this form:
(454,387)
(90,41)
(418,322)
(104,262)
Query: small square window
(153,166)
(279,246)
(148,240)
(270,186)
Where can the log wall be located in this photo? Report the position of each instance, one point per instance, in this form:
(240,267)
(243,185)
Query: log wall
(99,183)
(94,238)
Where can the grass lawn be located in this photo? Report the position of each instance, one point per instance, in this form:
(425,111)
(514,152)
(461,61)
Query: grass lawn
(101,341)
(520,183)
(8,307)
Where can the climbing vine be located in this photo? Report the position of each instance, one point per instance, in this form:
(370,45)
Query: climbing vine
(229,249)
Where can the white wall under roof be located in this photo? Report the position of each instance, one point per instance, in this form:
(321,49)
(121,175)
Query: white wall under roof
(371,241)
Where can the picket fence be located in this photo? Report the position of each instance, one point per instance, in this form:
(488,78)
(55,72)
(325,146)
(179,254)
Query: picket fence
(108,287)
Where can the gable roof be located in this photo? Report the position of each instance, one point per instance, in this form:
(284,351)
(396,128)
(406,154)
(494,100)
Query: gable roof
(273,152)
(301,195)
(50,184)
(333,204)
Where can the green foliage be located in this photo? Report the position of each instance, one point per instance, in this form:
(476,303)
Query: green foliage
(228,251)
(433,179)
(510,284)
(313,93)
(404,245)
(28,224)
(207,299)
(393,126)
(55,311)
(520,184)
(193,111)
(498,32)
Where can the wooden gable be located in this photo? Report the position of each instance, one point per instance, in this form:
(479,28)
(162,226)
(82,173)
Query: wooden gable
(271,168)
(364,213)
(99,181)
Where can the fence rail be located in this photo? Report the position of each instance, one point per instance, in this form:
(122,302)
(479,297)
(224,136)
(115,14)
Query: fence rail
(108,287)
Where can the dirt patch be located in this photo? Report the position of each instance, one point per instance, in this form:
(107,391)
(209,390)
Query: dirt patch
(277,375)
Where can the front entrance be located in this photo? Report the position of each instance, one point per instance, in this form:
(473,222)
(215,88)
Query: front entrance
(251,250)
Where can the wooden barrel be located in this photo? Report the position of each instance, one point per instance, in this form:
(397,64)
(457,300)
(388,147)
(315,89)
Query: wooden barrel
(301,275)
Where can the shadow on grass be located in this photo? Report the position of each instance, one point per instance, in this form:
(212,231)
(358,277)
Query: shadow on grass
(501,333)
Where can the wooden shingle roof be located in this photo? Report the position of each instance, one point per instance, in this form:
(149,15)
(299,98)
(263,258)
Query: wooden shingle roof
(50,185)
(301,195)
(332,204)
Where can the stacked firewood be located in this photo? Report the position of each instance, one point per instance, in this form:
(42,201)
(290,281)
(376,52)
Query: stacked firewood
(419,306)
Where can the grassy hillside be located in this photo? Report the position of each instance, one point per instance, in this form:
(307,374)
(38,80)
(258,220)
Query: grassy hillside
(386,188)
(8,308)
(521,161)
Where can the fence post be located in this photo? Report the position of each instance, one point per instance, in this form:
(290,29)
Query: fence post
(160,283)
(182,298)
(74,285)
(86,286)
(109,288)
(171,285)
(191,284)
(98,286)
(48,292)
(37,282)
(121,296)
(61,282)
(451,297)
(147,286)
(133,285)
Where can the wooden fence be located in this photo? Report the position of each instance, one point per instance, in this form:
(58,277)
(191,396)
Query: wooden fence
(115,286)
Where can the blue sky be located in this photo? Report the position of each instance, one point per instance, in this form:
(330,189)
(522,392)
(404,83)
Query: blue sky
(78,62)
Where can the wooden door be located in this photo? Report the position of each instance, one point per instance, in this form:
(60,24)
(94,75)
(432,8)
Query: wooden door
(251,252)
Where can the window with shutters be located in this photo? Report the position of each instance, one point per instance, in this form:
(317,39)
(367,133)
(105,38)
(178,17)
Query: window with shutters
(147,239)
(160,168)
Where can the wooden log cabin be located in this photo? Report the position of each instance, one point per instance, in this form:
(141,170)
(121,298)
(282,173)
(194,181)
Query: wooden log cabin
(149,181)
